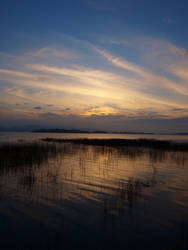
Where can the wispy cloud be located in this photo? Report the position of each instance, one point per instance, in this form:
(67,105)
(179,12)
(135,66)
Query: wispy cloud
(180,70)
(48,51)
(115,42)
(151,79)
(97,87)
(122,63)
(15,73)
(128,90)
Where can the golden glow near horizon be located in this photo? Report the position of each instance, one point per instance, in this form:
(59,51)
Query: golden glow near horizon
(117,88)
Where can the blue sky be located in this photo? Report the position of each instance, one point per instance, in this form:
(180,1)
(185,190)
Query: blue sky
(94,64)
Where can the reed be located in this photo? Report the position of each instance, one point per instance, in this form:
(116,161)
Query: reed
(19,154)
(139,143)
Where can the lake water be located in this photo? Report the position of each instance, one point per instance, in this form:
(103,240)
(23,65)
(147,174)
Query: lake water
(93,197)
(28,136)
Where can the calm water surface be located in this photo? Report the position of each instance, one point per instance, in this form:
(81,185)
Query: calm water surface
(28,136)
(91,197)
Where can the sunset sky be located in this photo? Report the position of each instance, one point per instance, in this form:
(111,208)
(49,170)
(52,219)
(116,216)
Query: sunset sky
(94,64)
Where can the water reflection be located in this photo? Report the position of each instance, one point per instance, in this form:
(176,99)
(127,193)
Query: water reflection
(90,193)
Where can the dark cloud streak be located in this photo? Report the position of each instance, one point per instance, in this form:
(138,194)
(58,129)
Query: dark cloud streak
(38,107)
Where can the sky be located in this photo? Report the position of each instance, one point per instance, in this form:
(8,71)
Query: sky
(116,65)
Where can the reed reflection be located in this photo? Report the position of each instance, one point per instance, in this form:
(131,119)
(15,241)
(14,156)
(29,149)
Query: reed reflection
(90,170)
(73,181)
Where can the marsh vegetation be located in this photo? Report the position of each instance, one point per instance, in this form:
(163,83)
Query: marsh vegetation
(91,194)
(136,143)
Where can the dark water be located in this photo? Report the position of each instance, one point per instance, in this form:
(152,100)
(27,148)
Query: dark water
(91,197)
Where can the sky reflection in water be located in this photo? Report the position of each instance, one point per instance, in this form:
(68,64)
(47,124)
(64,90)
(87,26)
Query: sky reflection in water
(91,197)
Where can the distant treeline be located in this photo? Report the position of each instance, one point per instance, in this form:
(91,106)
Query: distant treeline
(57,130)
(61,130)
(147,143)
